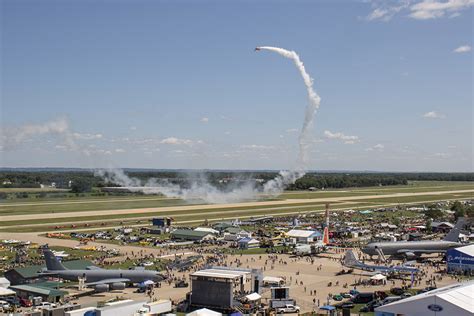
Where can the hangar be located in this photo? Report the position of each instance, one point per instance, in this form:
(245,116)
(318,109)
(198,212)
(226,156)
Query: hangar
(455,299)
(461,259)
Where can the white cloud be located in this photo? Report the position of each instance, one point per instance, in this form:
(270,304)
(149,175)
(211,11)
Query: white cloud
(462,49)
(133,128)
(87,136)
(253,146)
(429,9)
(378,147)
(176,141)
(205,120)
(385,10)
(340,136)
(433,115)
(292,130)
(119,150)
(442,155)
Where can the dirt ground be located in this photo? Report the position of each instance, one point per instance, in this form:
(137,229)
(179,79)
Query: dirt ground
(308,281)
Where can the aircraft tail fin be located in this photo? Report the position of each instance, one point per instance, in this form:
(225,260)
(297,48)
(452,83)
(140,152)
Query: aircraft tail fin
(350,259)
(326,236)
(453,235)
(52,263)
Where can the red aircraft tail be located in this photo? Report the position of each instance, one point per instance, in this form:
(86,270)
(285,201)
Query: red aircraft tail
(326,236)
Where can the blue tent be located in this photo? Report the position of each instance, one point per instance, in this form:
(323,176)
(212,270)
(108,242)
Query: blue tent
(327,308)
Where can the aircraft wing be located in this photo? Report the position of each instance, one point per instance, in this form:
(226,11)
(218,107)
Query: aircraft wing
(108,281)
(413,252)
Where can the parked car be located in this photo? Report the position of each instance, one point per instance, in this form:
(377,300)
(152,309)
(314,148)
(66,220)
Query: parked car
(363,298)
(4,306)
(347,295)
(338,297)
(391,299)
(370,306)
(25,302)
(288,308)
(397,291)
(344,305)
(354,292)
(406,294)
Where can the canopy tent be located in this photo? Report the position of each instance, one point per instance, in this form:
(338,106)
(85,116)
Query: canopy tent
(270,279)
(6,292)
(378,277)
(204,312)
(253,297)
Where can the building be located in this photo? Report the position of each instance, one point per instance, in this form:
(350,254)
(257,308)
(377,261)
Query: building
(219,288)
(455,299)
(191,235)
(48,291)
(29,274)
(298,236)
(248,243)
(461,259)
(442,227)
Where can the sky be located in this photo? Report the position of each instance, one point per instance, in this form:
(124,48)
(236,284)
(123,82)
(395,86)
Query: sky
(177,84)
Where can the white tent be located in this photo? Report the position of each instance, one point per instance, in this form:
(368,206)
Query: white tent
(6,292)
(378,277)
(272,280)
(253,297)
(204,312)
(4,283)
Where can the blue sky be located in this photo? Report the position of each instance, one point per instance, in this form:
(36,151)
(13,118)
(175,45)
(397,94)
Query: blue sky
(176,84)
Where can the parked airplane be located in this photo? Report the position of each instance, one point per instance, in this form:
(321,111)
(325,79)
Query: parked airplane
(312,249)
(351,261)
(416,248)
(100,279)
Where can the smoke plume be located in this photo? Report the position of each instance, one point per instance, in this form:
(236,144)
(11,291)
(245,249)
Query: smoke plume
(201,189)
(285,178)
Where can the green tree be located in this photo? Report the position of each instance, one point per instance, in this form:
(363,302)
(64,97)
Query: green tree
(428,225)
(434,212)
(81,186)
(458,209)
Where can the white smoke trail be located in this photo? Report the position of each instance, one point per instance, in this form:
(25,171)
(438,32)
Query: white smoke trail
(205,191)
(285,178)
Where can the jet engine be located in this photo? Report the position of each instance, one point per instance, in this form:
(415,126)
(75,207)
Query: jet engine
(117,286)
(101,287)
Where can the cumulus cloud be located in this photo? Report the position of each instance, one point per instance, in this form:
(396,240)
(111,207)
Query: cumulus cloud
(119,150)
(429,9)
(385,10)
(176,141)
(205,120)
(347,139)
(378,147)
(87,136)
(462,49)
(253,146)
(433,115)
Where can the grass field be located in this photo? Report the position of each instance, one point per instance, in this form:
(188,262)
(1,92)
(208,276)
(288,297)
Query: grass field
(62,210)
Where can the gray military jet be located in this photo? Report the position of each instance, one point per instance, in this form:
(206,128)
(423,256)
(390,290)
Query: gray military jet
(411,249)
(100,279)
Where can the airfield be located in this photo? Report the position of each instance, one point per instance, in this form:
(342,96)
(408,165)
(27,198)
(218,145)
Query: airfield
(87,213)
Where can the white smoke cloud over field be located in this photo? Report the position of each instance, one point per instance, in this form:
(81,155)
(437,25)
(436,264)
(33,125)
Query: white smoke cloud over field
(201,189)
